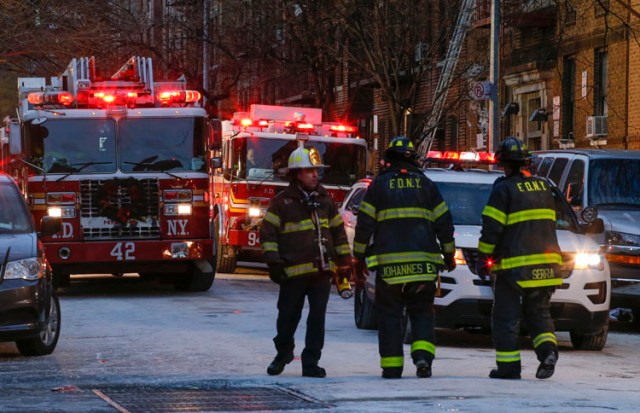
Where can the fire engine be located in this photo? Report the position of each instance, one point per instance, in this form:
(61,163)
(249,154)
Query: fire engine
(253,154)
(124,162)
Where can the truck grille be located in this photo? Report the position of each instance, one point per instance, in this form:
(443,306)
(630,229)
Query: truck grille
(120,208)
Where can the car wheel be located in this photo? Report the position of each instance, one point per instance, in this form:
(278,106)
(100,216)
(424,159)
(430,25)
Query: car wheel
(364,311)
(195,280)
(225,259)
(45,342)
(591,342)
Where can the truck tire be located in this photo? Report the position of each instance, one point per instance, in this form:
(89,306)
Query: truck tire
(225,261)
(45,342)
(196,280)
(364,311)
(590,342)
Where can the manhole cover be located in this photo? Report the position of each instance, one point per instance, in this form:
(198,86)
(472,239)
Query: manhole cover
(139,399)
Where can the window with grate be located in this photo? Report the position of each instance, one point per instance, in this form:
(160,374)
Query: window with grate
(601,82)
(568,96)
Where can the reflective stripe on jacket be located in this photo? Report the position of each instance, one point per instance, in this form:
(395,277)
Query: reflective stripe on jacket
(288,233)
(519,231)
(410,223)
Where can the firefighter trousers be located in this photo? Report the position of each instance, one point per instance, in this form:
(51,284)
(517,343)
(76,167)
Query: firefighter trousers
(390,302)
(316,289)
(510,303)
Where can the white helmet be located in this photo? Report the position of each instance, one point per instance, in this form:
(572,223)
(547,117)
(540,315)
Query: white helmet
(303,158)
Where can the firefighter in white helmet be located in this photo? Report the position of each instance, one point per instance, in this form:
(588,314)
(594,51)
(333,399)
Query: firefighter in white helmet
(304,244)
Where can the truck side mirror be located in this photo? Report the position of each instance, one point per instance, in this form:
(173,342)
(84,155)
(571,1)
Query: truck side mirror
(15,138)
(50,225)
(216,163)
(595,227)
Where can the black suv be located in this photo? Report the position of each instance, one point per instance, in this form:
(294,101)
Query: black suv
(29,308)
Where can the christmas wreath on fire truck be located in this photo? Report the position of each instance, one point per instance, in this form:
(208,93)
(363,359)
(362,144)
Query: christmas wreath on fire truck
(122,200)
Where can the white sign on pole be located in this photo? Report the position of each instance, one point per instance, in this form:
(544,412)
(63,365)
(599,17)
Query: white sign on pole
(481,90)
(556,108)
(556,128)
(584,84)
(375,123)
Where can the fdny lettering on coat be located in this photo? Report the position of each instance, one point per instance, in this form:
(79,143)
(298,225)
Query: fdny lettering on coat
(177,226)
(532,186)
(404,182)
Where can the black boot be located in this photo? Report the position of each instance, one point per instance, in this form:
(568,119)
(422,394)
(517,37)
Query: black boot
(423,369)
(277,365)
(391,372)
(510,371)
(548,366)
(313,371)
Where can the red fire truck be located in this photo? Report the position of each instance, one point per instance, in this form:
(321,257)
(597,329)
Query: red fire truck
(124,161)
(253,154)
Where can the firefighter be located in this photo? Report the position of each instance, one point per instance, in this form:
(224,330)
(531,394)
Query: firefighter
(413,230)
(303,239)
(519,244)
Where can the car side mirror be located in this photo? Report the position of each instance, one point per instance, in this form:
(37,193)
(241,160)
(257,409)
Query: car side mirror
(50,225)
(589,214)
(216,163)
(595,227)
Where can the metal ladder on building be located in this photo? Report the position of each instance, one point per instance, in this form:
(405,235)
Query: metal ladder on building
(446,78)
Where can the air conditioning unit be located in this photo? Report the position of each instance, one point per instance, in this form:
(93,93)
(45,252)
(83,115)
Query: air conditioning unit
(596,126)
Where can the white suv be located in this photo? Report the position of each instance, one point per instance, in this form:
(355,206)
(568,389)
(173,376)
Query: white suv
(580,305)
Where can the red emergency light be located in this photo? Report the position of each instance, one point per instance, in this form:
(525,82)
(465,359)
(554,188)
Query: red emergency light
(246,122)
(263,123)
(178,96)
(304,126)
(51,98)
(342,128)
(452,156)
(468,157)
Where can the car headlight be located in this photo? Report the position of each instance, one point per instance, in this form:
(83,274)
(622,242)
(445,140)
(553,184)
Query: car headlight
(177,209)
(622,238)
(584,260)
(27,269)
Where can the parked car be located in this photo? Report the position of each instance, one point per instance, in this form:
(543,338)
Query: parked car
(608,180)
(580,305)
(29,307)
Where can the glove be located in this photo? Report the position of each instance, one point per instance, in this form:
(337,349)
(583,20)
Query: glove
(277,273)
(483,266)
(449,261)
(359,272)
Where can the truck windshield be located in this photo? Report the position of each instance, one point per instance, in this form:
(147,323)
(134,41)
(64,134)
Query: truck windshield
(260,159)
(614,182)
(70,145)
(162,144)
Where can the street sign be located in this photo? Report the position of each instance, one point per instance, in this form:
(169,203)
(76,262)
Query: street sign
(482,90)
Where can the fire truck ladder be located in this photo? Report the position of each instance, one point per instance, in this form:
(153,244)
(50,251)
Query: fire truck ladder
(446,78)
(137,67)
(78,74)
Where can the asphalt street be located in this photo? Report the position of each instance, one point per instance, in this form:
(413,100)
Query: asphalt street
(133,346)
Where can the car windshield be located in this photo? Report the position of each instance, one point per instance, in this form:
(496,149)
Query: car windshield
(261,159)
(162,144)
(14,216)
(69,145)
(614,182)
(467,201)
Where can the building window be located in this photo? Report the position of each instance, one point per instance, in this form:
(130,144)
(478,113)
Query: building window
(568,96)
(600,87)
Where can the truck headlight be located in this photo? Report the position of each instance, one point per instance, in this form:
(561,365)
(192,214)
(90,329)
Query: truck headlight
(622,238)
(62,212)
(26,269)
(255,212)
(177,209)
(584,260)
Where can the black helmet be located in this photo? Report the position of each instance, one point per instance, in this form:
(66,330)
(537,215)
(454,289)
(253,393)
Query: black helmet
(512,151)
(401,145)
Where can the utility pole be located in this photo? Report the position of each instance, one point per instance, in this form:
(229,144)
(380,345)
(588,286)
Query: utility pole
(205,51)
(494,78)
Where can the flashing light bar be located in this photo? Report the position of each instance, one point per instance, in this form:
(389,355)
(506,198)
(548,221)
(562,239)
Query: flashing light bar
(52,98)
(453,156)
(178,96)
(304,126)
(342,128)
(246,122)
(263,123)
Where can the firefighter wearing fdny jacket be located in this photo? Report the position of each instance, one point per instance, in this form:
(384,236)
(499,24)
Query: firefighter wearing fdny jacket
(519,245)
(303,242)
(412,229)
